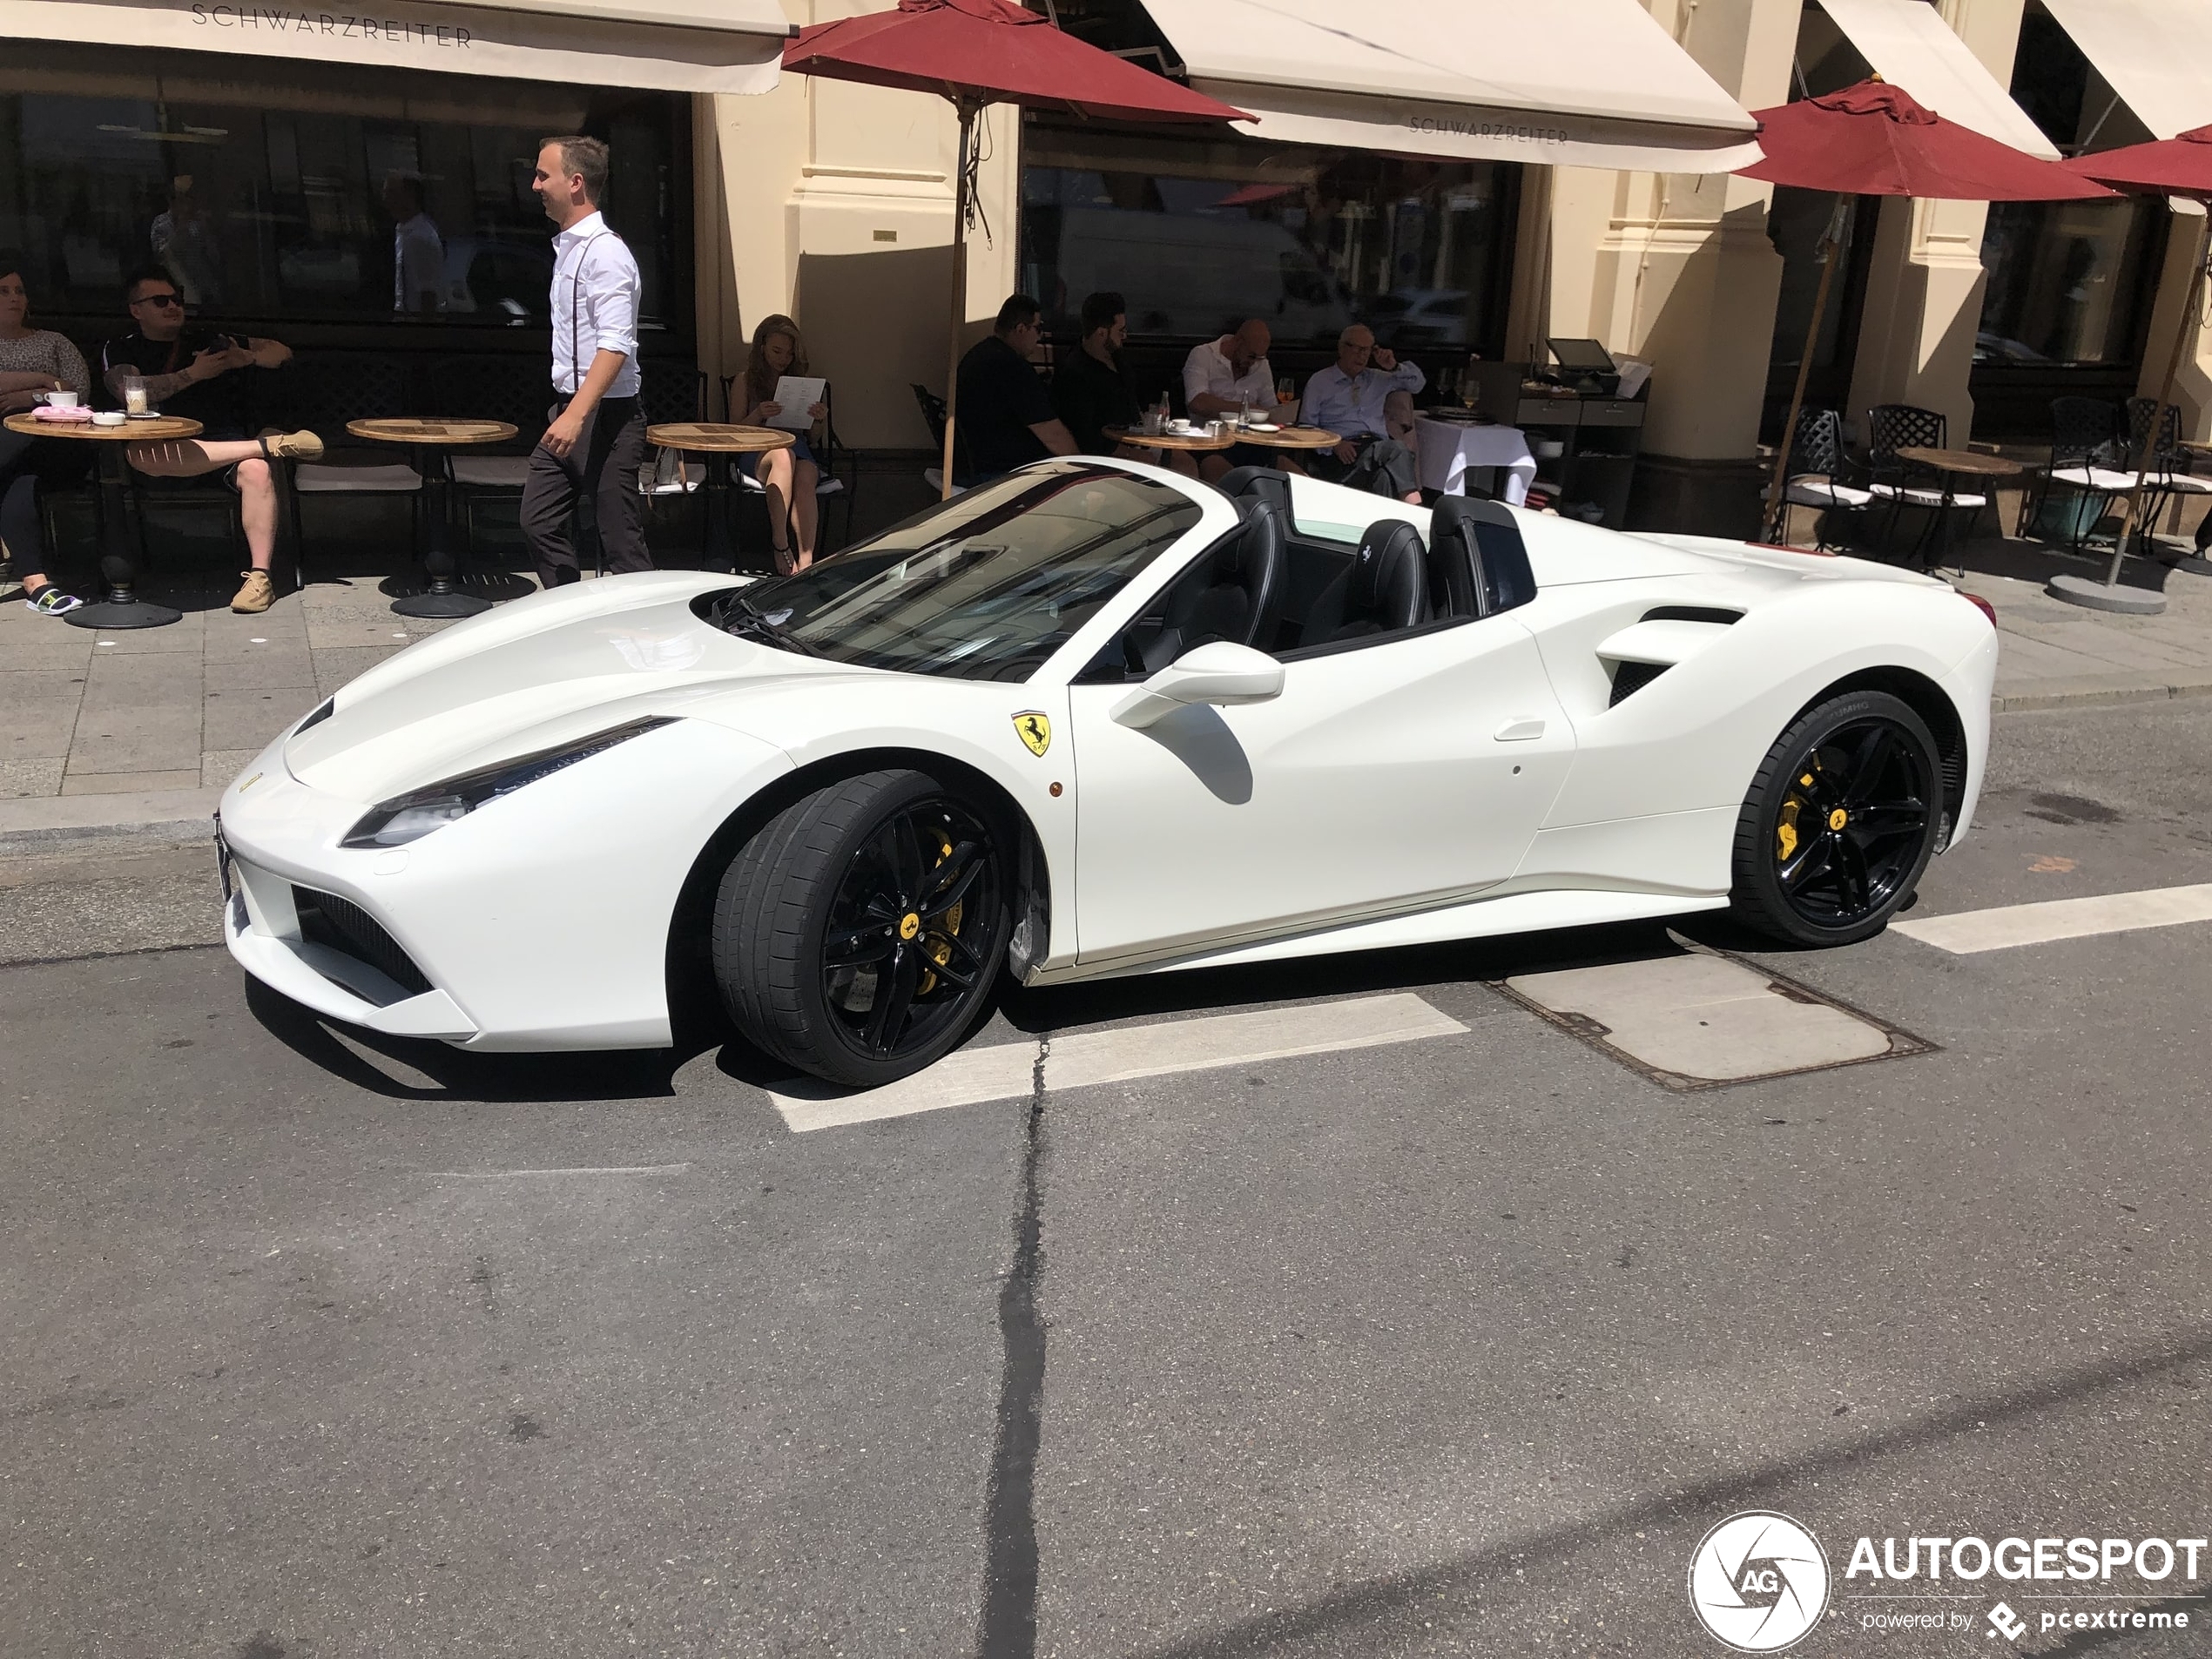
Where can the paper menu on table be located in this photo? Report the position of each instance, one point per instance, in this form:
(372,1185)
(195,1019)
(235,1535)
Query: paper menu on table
(796,394)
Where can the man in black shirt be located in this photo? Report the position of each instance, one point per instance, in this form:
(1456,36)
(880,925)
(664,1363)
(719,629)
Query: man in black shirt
(192,372)
(1092,390)
(1005,418)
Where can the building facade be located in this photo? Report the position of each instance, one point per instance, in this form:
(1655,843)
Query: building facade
(1470,177)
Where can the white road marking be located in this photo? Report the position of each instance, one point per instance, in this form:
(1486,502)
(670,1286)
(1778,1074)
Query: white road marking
(1157,1049)
(2036,924)
(506,1175)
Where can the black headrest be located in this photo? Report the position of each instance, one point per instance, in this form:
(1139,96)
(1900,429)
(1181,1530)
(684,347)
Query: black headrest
(1243,483)
(1488,535)
(1389,575)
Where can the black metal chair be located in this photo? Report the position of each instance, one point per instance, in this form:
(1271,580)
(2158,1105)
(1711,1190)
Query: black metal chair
(512,390)
(933,417)
(326,394)
(1817,452)
(670,392)
(1900,483)
(2086,466)
(2168,475)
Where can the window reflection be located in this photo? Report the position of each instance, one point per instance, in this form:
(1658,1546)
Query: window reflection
(2068,281)
(311,194)
(1199,234)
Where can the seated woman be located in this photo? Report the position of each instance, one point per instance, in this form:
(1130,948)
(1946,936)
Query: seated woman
(787,476)
(34,361)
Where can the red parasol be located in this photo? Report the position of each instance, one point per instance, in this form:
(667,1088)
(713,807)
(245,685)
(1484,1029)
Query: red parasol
(1876,139)
(989,51)
(2177,166)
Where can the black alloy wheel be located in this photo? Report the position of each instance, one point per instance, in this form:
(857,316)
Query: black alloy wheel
(1840,822)
(894,963)
(859,934)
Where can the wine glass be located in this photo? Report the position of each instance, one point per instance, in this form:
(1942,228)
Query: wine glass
(1285,389)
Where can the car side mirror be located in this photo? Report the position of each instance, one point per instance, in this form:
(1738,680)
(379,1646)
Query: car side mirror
(1223,673)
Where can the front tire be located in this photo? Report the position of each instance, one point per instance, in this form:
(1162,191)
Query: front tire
(859,934)
(1840,822)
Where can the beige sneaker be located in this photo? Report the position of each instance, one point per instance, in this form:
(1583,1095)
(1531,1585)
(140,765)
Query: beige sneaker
(257,594)
(292,445)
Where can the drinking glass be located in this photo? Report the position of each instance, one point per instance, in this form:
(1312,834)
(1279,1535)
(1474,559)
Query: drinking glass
(134,395)
(1285,389)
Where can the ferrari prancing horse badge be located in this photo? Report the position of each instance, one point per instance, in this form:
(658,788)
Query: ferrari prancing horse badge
(1034,729)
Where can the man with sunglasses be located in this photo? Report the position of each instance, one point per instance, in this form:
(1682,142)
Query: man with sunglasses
(192,372)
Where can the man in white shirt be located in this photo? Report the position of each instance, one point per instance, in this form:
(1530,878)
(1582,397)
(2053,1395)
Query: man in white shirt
(1220,373)
(418,251)
(597,441)
(1348,398)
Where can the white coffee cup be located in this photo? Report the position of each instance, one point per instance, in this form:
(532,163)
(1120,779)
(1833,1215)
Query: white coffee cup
(60,399)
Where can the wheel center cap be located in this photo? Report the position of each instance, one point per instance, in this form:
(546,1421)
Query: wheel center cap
(910,925)
(1837,819)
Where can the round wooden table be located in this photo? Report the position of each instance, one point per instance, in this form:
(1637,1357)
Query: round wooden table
(431,439)
(1953,465)
(718,441)
(1188,443)
(119,605)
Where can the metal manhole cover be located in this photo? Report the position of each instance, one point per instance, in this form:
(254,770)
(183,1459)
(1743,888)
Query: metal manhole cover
(1705,1019)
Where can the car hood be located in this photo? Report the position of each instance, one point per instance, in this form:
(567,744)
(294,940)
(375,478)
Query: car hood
(532,674)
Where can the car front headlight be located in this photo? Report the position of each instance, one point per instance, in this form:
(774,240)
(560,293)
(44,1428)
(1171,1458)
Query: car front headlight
(410,817)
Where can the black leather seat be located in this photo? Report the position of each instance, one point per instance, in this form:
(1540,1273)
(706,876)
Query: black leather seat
(1235,591)
(1477,558)
(1268,483)
(1385,591)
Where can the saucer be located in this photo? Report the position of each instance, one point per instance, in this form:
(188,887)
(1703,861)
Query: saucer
(144,415)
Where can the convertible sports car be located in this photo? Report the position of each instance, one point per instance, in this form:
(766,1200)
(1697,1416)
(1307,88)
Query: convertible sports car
(1094,718)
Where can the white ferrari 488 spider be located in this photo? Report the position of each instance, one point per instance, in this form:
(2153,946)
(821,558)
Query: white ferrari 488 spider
(1094,718)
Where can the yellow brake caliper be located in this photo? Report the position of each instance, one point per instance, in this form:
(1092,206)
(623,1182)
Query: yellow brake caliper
(1785,834)
(939,946)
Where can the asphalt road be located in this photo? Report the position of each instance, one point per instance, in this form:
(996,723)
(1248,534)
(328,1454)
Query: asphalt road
(312,1348)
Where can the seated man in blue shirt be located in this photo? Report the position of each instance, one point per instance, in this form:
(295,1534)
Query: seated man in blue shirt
(1347,398)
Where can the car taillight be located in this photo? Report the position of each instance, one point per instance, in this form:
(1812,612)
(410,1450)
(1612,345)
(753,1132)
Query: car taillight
(1980,604)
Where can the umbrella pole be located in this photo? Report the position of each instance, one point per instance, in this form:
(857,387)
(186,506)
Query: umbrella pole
(1776,508)
(959,289)
(2108,595)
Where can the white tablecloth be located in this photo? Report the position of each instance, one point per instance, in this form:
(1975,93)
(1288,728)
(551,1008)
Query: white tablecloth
(1448,447)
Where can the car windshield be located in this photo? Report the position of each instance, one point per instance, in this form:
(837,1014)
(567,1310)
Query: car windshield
(986,586)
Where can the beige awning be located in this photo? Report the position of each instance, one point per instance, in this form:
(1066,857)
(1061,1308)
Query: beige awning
(2156,54)
(1572,83)
(1908,44)
(663,45)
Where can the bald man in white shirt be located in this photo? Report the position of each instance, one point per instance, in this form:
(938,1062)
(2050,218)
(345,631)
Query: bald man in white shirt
(596,444)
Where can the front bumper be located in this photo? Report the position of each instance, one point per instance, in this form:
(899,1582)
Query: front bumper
(539,922)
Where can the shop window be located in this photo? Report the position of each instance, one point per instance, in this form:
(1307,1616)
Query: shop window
(2069,282)
(302,192)
(1199,233)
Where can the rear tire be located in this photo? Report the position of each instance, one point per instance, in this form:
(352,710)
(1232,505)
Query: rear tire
(1840,822)
(859,934)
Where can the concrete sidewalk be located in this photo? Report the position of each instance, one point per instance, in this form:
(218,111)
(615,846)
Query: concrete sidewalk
(136,725)
(112,729)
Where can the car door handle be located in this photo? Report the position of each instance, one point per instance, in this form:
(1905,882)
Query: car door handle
(1519,730)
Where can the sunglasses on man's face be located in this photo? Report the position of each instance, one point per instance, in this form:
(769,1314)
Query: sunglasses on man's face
(164,301)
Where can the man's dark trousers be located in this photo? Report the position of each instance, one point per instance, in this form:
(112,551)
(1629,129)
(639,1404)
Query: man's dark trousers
(602,468)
